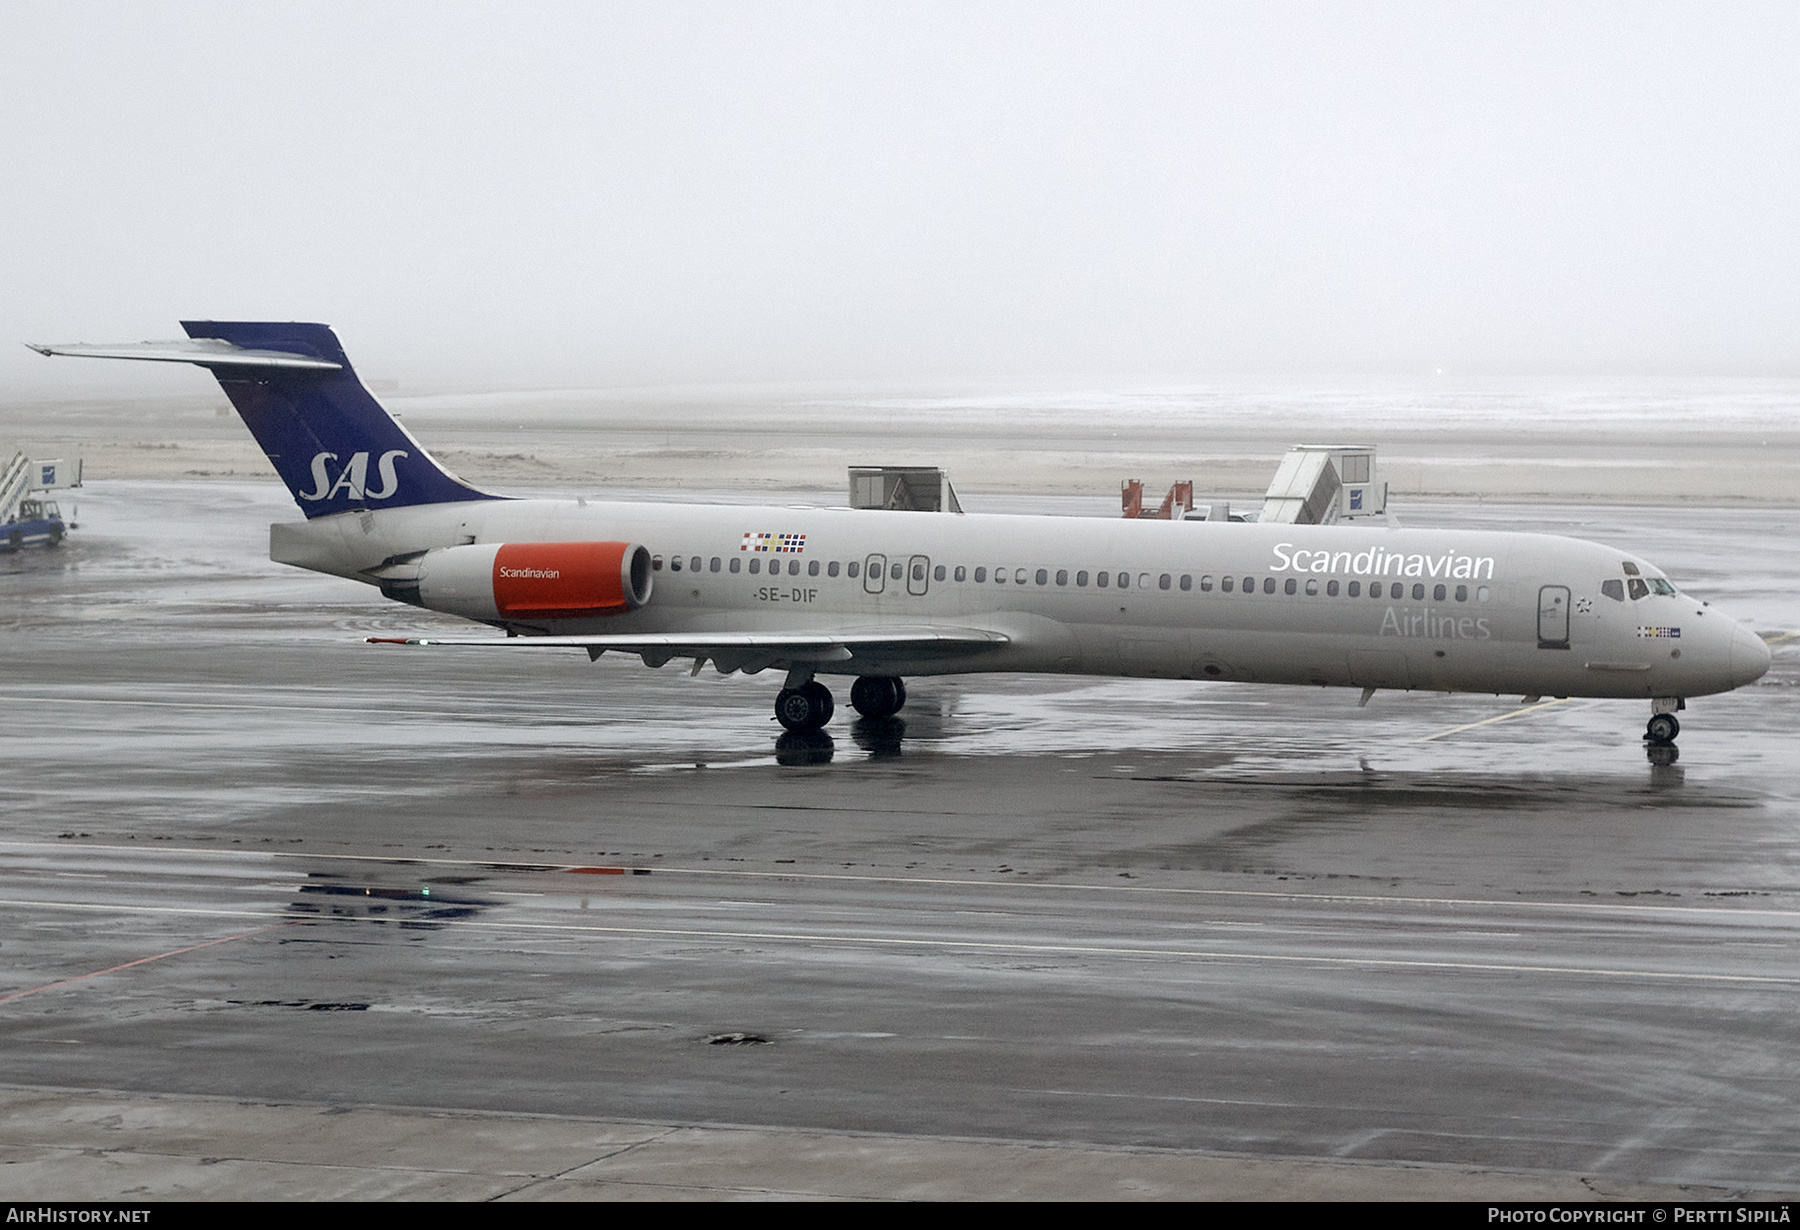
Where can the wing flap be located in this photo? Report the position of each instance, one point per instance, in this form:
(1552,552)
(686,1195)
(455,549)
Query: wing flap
(741,650)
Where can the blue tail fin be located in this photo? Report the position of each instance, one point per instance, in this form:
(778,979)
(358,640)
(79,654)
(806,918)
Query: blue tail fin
(331,442)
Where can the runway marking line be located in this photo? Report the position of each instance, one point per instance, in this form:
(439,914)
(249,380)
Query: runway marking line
(877,941)
(63,982)
(215,704)
(1785,636)
(502,864)
(1504,717)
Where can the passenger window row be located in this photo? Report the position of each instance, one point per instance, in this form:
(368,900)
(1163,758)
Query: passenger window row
(1391,590)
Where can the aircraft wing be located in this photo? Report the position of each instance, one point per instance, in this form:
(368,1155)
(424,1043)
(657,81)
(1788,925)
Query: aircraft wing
(745,651)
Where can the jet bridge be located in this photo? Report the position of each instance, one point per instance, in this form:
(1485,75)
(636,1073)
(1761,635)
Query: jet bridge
(902,488)
(1322,484)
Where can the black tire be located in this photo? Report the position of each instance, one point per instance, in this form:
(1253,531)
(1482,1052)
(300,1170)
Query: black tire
(822,702)
(877,696)
(804,708)
(56,536)
(1662,728)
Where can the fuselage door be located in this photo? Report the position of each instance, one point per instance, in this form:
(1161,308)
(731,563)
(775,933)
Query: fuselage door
(875,573)
(918,575)
(1553,617)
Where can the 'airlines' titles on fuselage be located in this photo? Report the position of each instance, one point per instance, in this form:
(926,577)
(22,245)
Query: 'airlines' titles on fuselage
(1380,562)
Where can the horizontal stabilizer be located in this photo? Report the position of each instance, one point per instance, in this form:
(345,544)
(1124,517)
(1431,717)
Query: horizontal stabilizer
(332,443)
(206,351)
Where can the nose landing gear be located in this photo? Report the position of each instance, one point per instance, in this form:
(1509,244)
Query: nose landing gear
(1663,727)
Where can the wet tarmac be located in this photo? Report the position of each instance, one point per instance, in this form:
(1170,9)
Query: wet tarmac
(245,856)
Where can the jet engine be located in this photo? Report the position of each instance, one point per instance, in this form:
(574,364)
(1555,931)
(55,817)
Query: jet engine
(501,582)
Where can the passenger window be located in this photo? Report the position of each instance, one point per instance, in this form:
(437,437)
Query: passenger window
(1164,581)
(1043,576)
(1637,589)
(831,569)
(896,570)
(736,563)
(1331,589)
(961,572)
(1374,589)
(1124,580)
(1269,585)
(714,565)
(1418,591)
(980,575)
(1481,594)
(755,565)
(999,576)
(1355,589)
(1312,588)
(1081,579)
(674,563)
(1437,593)
(694,564)
(1062,576)
(937,574)
(1206,585)
(1187,582)
(812,567)
(1250,585)
(656,563)
(1019,577)
(1225,584)
(1462,593)
(851,569)
(1290,587)
(1143,580)
(1100,579)
(918,572)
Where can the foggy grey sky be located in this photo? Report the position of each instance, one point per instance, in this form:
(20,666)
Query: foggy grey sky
(597,194)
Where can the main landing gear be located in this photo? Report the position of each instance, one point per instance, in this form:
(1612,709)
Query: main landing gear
(804,706)
(876,696)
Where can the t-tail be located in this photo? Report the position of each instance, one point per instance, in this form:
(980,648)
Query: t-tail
(328,438)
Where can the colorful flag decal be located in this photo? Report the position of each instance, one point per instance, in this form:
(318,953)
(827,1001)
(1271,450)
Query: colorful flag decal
(780,544)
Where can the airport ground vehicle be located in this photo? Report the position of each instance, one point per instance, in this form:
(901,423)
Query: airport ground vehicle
(27,519)
(880,596)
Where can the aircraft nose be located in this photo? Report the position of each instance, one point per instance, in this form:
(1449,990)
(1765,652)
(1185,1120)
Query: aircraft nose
(1749,657)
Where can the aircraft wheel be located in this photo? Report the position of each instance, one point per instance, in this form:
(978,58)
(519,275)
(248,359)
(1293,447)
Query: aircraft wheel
(1662,728)
(877,696)
(804,708)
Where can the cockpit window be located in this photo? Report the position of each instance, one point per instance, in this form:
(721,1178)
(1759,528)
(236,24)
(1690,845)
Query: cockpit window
(1631,569)
(1661,585)
(1614,589)
(1638,588)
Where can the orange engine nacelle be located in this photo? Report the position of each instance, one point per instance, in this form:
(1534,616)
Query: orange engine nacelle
(536,580)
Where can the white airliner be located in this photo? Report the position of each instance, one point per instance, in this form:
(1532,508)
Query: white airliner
(878,596)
